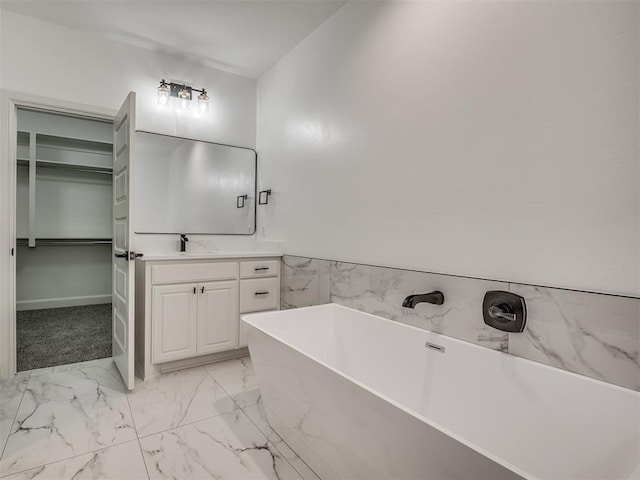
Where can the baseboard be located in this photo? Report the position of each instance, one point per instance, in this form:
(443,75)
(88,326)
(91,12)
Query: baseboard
(202,360)
(62,302)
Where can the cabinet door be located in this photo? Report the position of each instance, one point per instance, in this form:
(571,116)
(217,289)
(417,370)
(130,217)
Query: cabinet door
(217,316)
(174,322)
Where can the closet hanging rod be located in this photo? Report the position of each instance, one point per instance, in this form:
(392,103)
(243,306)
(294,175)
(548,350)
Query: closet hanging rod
(66,241)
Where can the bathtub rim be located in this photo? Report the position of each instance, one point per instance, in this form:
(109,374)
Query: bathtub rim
(248,319)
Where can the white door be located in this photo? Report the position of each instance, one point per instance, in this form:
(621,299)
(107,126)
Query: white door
(174,322)
(217,316)
(123,261)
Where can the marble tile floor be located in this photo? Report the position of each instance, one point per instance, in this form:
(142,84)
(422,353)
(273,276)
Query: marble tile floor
(77,421)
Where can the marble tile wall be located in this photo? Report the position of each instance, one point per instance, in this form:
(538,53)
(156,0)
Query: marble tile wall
(380,291)
(305,282)
(590,334)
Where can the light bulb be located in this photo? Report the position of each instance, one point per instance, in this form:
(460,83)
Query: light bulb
(203,102)
(163,93)
(183,100)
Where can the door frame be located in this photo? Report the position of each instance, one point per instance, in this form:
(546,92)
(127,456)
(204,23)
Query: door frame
(10,101)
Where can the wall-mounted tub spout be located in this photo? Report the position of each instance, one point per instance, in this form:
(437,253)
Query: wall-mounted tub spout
(436,297)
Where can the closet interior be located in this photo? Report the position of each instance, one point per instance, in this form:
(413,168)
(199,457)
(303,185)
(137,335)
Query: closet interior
(63,236)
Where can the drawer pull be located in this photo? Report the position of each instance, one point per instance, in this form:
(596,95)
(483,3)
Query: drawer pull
(261,293)
(258,269)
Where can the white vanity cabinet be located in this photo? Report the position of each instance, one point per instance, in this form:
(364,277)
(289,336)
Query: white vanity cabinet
(193,319)
(259,289)
(188,308)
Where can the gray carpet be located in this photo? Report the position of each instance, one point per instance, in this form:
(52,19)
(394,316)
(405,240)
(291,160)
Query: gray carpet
(58,336)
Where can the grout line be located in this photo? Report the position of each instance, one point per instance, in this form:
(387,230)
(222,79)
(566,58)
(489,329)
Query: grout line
(299,458)
(133,419)
(273,445)
(144,462)
(70,458)
(266,436)
(235,409)
(15,415)
(281,440)
(75,366)
(135,427)
(190,423)
(242,409)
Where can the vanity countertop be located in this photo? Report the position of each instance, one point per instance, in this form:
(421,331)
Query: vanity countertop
(209,255)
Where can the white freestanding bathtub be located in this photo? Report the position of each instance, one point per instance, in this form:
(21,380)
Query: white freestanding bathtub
(359,396)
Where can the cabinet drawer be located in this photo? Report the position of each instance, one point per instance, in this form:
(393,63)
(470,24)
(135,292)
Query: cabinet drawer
(259,294)
(193,272)
(259,268)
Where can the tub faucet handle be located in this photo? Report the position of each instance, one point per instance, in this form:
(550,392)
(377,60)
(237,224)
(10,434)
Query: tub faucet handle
(499,311)
(504,311)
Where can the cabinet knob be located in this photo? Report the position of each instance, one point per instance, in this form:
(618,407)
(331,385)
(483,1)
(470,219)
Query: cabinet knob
(202,290)
(194,290)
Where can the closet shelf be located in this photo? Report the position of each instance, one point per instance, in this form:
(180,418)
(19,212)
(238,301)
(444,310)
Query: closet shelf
(65,142)
(68,166)
(65,241)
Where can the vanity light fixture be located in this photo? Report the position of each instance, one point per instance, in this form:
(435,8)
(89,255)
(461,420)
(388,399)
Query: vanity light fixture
(184,94)
(203,102)
(164,91)
(184,97)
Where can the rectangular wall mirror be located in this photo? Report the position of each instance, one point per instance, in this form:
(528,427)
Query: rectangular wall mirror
(192,186)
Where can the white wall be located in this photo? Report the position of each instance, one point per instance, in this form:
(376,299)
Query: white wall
(55,62)
(489,139)
(49,60)
(53,277)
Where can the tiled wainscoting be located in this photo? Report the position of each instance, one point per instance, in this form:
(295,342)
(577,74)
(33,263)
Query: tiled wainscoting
(591,334)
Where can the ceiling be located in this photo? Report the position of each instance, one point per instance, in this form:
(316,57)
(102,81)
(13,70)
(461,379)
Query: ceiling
(243,37)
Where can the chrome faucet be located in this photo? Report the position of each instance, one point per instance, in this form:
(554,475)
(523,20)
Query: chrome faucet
(183,242)
(436,297)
